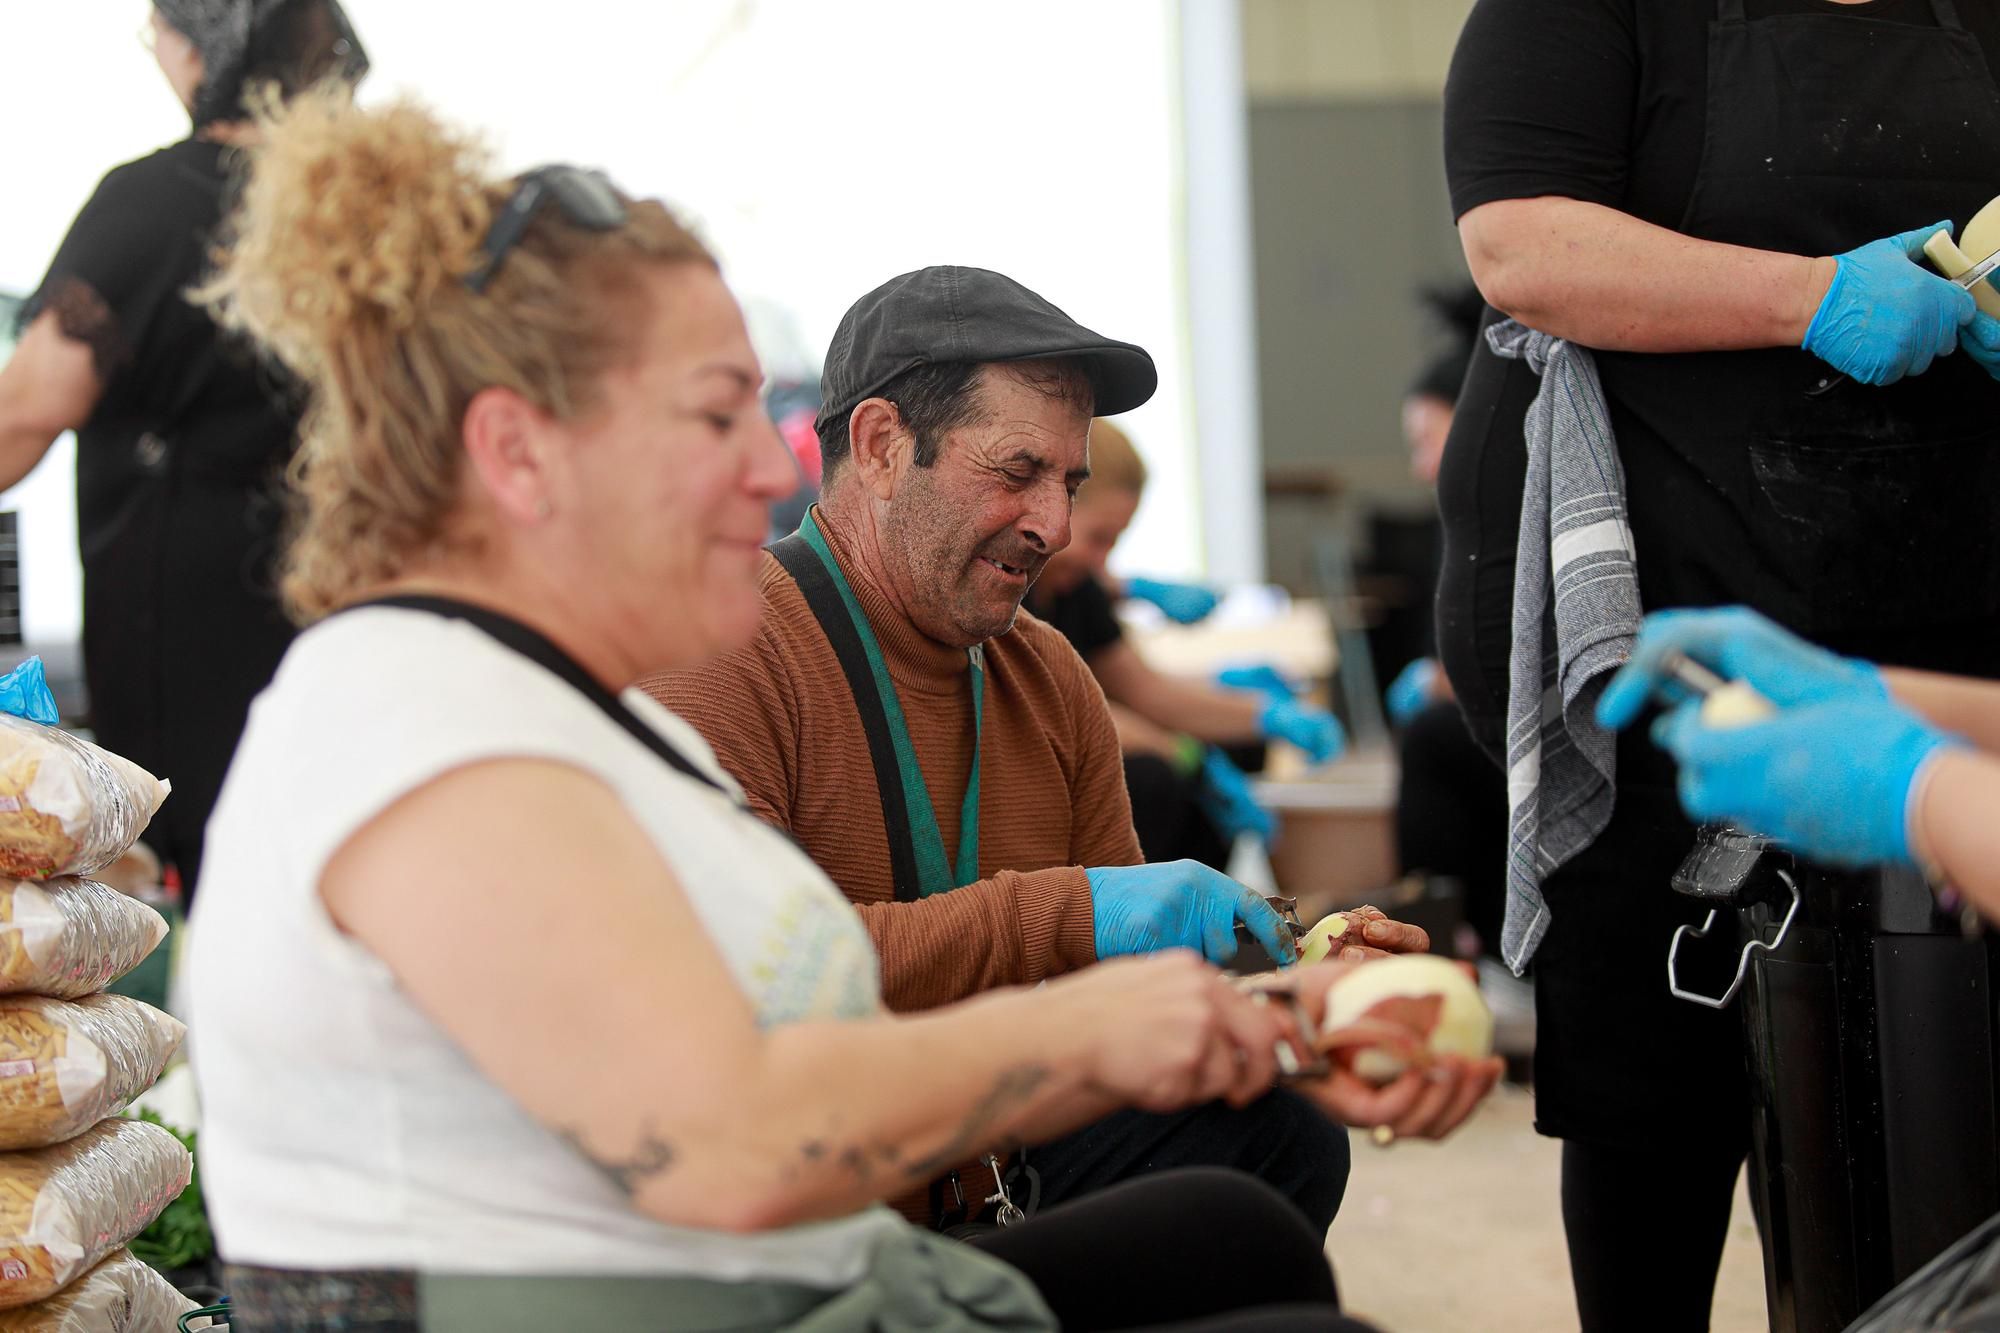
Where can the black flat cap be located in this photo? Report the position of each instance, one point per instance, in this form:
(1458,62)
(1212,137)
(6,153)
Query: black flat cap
(948,313)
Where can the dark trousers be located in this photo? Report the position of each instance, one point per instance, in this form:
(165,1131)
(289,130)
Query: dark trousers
(1167,814)
(1645,1229)
(1200,1249)
(1180,1252)
(1281,1139)
(1451,814)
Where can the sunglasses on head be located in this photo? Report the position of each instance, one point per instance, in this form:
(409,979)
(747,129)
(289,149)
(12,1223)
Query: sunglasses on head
(587,200)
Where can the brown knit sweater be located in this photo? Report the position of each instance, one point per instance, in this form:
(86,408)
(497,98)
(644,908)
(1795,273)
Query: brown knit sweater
(1051,795)
(1051,791)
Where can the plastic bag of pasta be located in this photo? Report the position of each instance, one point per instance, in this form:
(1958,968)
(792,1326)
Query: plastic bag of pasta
(64,1208)
(67,1064)
(120,1295)
(71,937)
(67,807)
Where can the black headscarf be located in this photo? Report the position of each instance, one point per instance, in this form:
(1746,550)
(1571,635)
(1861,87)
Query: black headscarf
(293,43)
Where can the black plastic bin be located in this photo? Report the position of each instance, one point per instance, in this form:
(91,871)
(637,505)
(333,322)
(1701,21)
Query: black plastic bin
(1874,1056)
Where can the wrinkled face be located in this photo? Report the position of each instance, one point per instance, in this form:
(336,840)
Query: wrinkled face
(177,58)
(977,527)
(661,495)
(1098,521)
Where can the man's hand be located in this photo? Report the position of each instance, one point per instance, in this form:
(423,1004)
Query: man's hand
(1371,933)
(1180,905)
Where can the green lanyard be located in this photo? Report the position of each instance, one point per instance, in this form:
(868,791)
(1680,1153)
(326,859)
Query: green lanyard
(935,873)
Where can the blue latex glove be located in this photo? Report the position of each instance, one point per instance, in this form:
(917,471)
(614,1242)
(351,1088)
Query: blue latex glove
(1228,801)
(1738,644)
(1411,691)
(1885,316)
(1264,679)
(1313,730)
(1831,780)
(1981,340)
(24,692)
(1180,905)
(1183,602)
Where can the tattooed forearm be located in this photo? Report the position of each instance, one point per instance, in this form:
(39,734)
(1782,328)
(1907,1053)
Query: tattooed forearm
(1014,1087)
(651,1158)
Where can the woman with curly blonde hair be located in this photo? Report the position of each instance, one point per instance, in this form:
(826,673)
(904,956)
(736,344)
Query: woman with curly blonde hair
(509,1014)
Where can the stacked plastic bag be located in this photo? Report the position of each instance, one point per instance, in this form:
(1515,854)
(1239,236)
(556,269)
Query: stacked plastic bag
(76,1181)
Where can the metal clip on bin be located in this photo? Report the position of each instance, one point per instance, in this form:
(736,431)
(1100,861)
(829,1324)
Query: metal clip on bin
(1873,1055)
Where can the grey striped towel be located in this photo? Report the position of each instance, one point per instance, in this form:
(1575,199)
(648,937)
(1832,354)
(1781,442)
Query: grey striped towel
(1575,543)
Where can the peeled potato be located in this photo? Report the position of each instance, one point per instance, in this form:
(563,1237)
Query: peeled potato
(1318,942)
(1399,1013)
(1735,705)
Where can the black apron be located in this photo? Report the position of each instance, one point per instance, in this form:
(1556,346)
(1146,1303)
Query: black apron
(1863,518)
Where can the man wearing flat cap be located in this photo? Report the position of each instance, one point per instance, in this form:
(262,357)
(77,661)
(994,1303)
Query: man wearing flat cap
(948,760)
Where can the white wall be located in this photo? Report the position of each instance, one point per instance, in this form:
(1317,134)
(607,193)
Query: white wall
(823,147)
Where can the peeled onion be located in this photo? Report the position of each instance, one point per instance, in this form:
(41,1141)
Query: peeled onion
(1318,942)
(1403,1012)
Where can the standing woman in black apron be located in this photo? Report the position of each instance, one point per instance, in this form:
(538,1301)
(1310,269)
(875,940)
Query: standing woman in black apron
(1698,190)
(182,438)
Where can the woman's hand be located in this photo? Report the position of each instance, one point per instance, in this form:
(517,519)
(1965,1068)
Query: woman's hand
(1885,316)
(1426,1103)
(1831,781)
(1741,645)
(1169,1031)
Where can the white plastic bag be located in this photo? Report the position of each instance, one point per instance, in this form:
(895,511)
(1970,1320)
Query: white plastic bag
(66,806)
(71,937)
(120,1295)
(67,1064)
(62,1209)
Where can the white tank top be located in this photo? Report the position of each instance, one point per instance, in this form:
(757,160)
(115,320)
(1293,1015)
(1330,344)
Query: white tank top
(341,1128)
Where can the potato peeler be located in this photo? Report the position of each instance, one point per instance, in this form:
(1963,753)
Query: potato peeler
(1251,955)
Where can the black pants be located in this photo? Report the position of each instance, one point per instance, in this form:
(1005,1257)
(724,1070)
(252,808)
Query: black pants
(1451,814)
(1647,1269)
(1191,1251)
(1281,1139)
(1649,1093)
(1167,814)
(1186,1250)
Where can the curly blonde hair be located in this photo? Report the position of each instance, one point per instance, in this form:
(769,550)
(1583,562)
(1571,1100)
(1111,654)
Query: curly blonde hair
(346,258)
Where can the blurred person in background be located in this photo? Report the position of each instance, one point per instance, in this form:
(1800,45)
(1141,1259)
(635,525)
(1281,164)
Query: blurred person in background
(1451,798)
(1720,201)
(513,1014)
(182,437)
(1190,798)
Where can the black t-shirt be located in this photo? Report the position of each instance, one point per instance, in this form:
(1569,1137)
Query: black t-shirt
(1084,615)
(179,470)
(1606,100)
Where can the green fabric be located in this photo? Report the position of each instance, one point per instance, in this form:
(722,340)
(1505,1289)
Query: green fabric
(917,1282)
(935,873)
